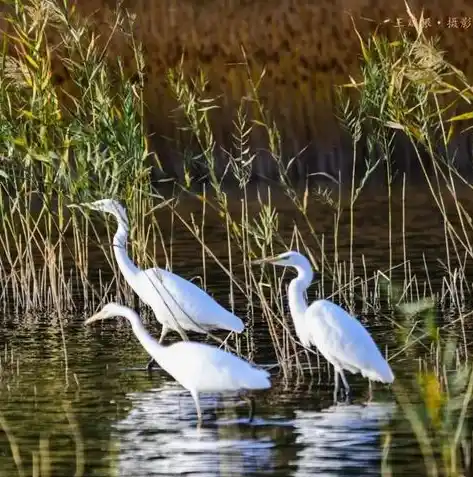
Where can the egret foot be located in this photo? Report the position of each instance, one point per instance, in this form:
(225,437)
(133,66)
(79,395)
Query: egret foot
(251,403)
(348,398)
(344,395)
(150,364)
(335,396)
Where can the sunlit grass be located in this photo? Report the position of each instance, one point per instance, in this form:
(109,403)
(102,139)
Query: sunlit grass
(93,145)
(63,146)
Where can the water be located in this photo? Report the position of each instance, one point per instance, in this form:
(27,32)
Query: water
(105,416)
(114,419)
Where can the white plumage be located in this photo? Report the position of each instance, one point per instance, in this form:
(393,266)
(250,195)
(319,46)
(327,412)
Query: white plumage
(341,339)
(177,303)
(344,340)
(198,367)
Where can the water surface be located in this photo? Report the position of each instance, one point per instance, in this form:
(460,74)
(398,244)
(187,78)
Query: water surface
(103,415)
(112,418)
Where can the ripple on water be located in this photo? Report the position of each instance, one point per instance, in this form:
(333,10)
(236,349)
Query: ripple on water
(342,439)
(159,437)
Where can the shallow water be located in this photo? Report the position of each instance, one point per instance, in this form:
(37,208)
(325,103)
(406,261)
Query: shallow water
(104,415)
(112,418)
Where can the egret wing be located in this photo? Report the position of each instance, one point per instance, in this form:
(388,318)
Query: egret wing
(186,300)
(208,368)
(339,335)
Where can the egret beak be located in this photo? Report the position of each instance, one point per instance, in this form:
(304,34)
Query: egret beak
(98,316)
(264,260)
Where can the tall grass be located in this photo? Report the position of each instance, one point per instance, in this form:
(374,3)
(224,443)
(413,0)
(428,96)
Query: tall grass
(408,97)
(61,147)
(397,103)
(64,145)
(436,404)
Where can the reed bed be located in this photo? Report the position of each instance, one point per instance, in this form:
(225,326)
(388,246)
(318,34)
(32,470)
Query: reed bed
(61,148)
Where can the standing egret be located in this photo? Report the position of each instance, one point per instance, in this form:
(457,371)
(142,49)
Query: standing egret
(198,367)
(177,303)
(342,339)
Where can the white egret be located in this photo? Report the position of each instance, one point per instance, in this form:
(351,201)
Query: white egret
(341,338)
(198,367)
(177,303)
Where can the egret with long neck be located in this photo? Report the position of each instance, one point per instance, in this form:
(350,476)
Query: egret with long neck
(341,338)
(178,304)
(198,367)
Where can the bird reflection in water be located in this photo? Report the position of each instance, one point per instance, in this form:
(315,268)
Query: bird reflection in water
(342,439)
(158,437)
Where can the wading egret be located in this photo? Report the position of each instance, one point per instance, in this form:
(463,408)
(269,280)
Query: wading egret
(198,367)
(341,338)
(177,303)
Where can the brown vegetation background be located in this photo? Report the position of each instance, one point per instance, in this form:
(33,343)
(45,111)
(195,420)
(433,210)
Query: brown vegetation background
(307,47)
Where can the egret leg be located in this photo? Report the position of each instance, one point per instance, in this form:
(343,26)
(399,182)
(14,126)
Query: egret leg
(345,384)
(335,391)
(370,388)
(150,364)
(164,332)
(152,361)
(195,396)
(252,405)
(182,333)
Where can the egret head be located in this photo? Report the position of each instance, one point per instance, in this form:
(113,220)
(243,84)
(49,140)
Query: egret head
(110,206)
(110,310)
(287,259)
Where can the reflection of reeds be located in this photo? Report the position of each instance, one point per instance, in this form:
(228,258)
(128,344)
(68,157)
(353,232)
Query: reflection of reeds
(43,458)
(14,447)
(9,363)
